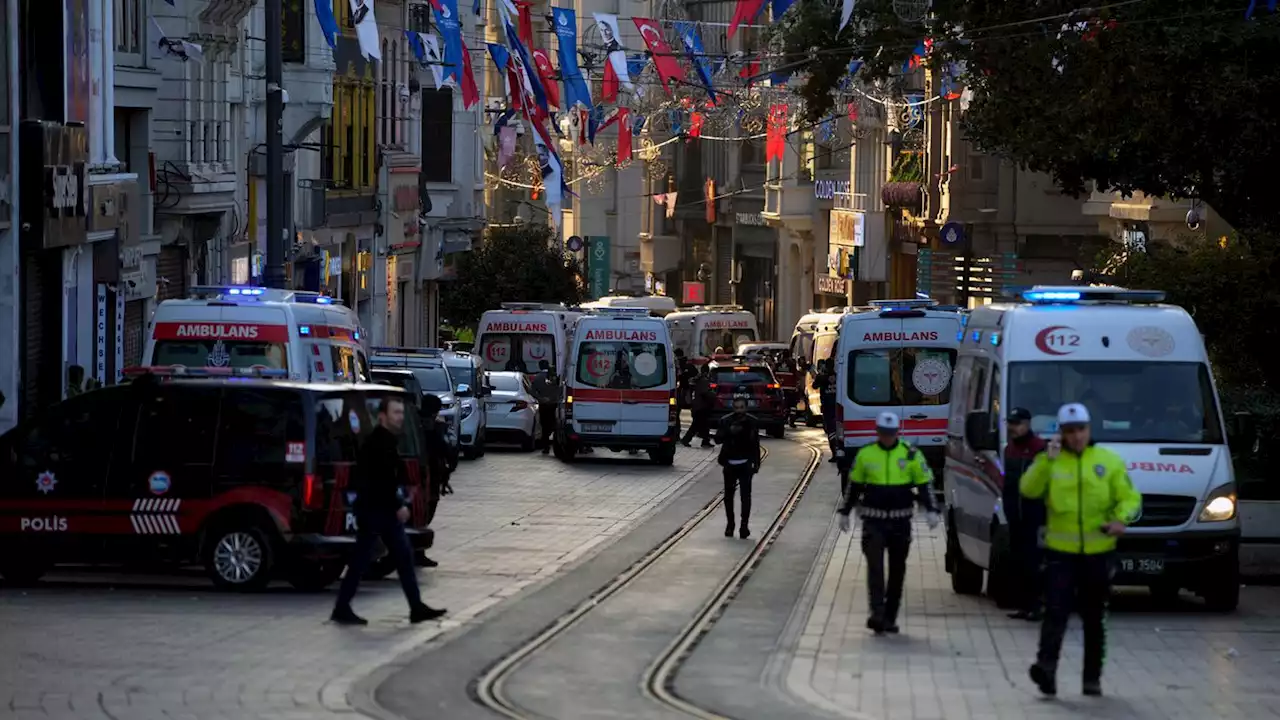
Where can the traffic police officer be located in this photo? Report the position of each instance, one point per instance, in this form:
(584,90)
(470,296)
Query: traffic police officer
(888,478)
(1089,500)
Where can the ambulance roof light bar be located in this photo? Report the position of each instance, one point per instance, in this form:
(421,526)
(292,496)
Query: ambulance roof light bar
(424,352)
(204,372)
(1072,295)
(912,303)
(605,311)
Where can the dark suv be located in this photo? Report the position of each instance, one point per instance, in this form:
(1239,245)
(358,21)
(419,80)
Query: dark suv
(767,402)
(246,477)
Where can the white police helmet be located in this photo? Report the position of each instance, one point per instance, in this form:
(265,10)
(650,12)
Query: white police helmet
(1073,414)
(888,421)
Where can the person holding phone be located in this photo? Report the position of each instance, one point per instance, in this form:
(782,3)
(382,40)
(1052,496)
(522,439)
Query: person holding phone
(1089,501)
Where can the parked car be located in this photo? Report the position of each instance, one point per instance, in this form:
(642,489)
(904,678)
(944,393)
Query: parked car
(470,384)
(513,411)
(246,477)
(427,364)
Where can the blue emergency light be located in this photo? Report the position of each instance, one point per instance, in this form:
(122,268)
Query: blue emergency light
(1097,294)
(304,329)
(245,290)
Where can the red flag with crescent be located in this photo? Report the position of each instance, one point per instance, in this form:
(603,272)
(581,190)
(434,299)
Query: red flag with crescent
(470,93)
(609,88)
(624,135)
(548,75)
(664,60)
(744,12)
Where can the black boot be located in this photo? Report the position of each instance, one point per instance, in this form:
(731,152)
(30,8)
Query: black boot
(347,616)
(728,530)
(423,613)
(1092,688)
(1044,679)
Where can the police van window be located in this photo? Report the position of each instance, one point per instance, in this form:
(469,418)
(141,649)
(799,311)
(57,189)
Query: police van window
(901,376)
(409,434)
(256,428)
(1129,401)
(978,386)
(78,435)
(177,424)
(221,353)
(622,365)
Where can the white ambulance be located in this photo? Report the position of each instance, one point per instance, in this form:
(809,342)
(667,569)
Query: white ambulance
(520,335)
(898,357)
(307,334)
(1141,369)
(620,391)
(699,330)
(814,339)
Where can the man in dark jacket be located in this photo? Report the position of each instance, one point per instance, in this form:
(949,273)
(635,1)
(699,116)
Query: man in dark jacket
(1025,516)
(381,513)
(703,399)
(825,383)
(739,438)
(546,389)
(435,444)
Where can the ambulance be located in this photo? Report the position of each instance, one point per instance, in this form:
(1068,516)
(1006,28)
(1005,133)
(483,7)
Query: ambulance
(307,334)
(898,357)
(620,390)
(699,330)
(520,335)
(815,336)
(1141,369)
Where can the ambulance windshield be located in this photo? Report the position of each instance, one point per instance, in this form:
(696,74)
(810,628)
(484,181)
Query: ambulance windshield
(200,353)
(622,365)
(1130,401)
(516,352)
(727,340)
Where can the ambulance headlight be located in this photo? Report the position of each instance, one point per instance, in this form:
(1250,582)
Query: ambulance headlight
(1221,505)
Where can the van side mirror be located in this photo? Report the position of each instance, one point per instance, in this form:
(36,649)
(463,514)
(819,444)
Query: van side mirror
(464,390)
(978,433)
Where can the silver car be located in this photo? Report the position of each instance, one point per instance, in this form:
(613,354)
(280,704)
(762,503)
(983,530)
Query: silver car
(513,411)
(464,369)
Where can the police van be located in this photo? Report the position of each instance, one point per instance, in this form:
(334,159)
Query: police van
(1141,369)
(521,335)
(307,334)
(620,391)
(700,330)
(898,357)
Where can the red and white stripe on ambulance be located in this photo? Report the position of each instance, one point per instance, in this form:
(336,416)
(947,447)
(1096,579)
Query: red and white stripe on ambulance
(220,331)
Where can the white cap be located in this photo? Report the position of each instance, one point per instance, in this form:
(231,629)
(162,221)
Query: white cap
(887,421)
(1073,414)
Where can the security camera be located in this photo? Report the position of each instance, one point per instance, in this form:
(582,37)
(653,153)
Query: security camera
(403,90)
(1194,219)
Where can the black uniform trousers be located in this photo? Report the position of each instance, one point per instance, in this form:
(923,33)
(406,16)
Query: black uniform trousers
(547,418)
(739,477)
(1029,559)
(881,537)
(371,527)
(1083,582)
(700,427)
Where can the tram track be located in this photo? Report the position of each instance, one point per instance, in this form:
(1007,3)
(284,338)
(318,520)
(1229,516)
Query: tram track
(658,680)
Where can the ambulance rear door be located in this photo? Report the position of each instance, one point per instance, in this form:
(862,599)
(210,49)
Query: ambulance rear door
(597,406)
(926,361)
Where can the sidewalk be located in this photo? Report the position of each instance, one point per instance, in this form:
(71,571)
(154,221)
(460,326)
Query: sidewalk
(960,658)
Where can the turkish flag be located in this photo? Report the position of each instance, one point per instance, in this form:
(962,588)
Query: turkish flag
(548,75)
(624,135)
(609,88)
(470,93)
(524,25)
(664,61)
(744,12)
(695,125)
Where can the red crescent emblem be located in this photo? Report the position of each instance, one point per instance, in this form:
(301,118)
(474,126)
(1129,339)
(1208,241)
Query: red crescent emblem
(494,352)
(1050,340)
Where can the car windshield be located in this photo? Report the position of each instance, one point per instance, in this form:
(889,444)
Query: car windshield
(433,379)
(462,374)
(1131,401)
(395,379)
(221,353)
(907,376)
(727,340)
(622,365)
(517,352)
(344,420)
(502,382)
(732,377)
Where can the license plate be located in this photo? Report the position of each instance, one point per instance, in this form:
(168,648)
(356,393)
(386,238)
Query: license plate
(493,406)
(1142,565)
(597,427)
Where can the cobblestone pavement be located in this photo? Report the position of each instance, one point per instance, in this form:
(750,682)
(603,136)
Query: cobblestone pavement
(960,658)
(93,647)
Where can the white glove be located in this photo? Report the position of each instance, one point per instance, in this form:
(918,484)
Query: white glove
(846,523)
(934,519)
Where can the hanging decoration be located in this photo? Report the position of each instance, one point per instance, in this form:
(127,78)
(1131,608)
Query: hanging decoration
(692,42)
(846,12)
(367,28)
(446,12)
(607,24)
(166,47)
(470,93)
(547,74)
(745,12)
(328,23)
(576,90)
(911,11)
(664,61)
(775,143)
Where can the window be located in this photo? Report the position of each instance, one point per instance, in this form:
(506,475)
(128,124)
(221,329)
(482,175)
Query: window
(728,340)
(622,365)
(177,426)
(978,387)
(344,419)
(255,428)
(222,353)
(503,382)
(437,135)
(1146,402)
(517,353)
(733,377)
(901,376)
(76,436)
(349,151)
(462,374)
(344,363)
(802,346)
(994,401)
(127,26)
(433,379)
(977,166)
(824,346)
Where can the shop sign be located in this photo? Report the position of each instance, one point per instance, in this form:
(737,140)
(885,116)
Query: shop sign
(54,217)
(827,189)
(695,293)
(828,285)
(847,228)
(752,219)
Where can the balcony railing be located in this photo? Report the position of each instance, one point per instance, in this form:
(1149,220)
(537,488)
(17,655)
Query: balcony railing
(856,202)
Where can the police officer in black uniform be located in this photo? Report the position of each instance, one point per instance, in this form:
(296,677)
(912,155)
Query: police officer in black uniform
(739,437)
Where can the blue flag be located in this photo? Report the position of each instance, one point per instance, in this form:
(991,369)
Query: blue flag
(780,7)
(415,44)
(451,32)
(328,23)
(697,56)
(475,7)
(576,90)
(500,59)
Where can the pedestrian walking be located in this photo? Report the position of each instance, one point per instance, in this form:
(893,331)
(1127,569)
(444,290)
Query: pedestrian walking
(381,513)
(739,437)
(703,399)
(1089,501)
(1025,516)
(546,388)
(888,477)
(825,383)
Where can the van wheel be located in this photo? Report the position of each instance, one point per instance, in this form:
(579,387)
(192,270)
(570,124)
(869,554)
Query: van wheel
(239,557)
(20,572)
(966,577)
(315,576)
(663,456)
(1000,586)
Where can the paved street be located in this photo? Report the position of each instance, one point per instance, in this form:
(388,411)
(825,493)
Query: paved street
(87,646)
(960,658)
